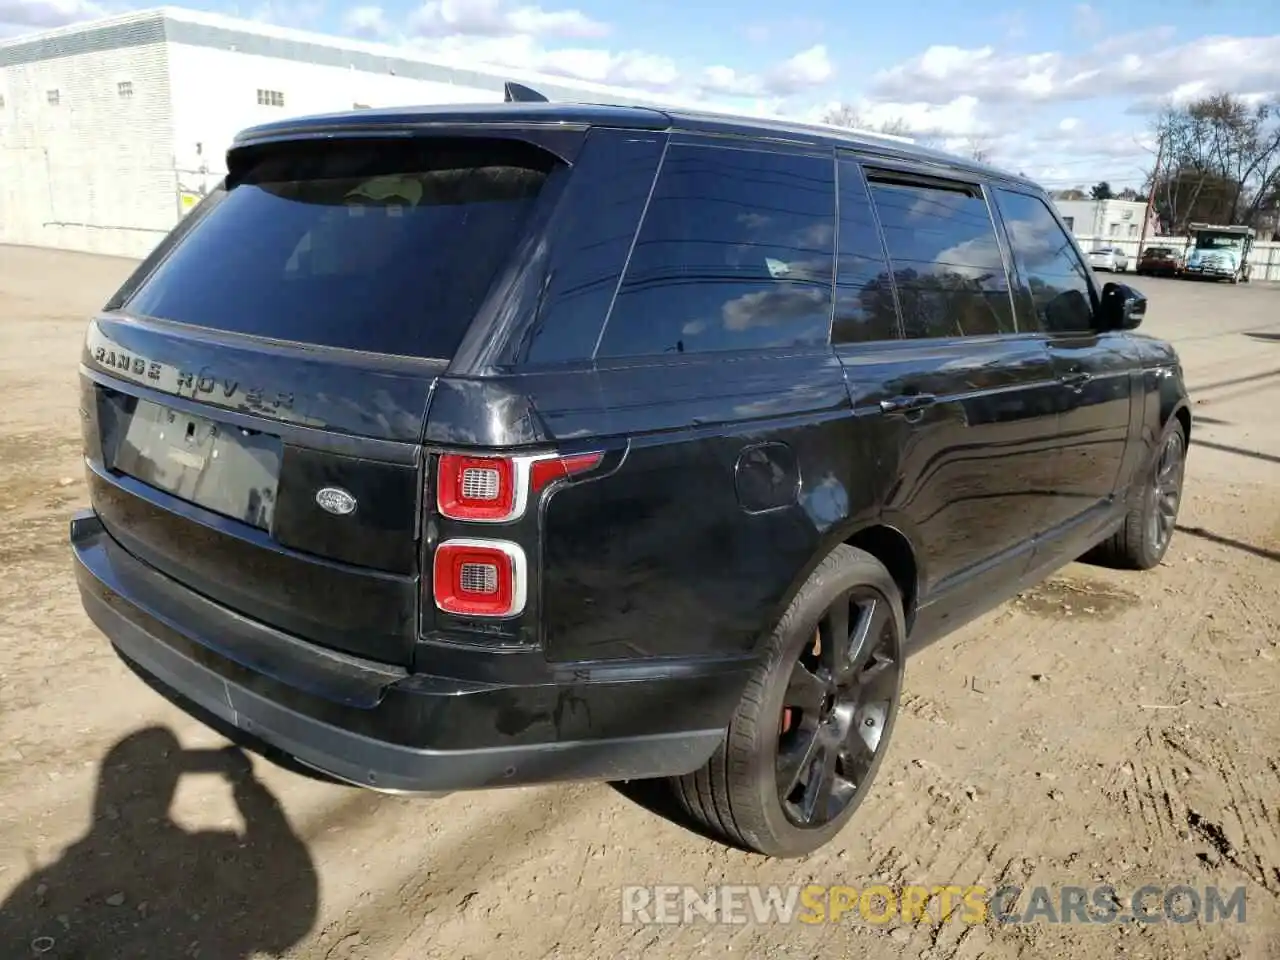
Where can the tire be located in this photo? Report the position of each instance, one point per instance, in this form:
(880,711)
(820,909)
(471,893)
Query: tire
(736,796)
(1135,546)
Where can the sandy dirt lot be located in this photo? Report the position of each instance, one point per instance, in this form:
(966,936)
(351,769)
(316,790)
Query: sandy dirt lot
(1105,727)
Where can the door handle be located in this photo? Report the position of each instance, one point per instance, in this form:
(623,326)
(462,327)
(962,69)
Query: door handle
(1077,378)
(908,403)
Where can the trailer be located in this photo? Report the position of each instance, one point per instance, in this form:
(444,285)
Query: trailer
(1218,252)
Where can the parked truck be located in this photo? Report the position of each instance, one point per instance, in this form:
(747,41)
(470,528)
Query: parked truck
(1218,252)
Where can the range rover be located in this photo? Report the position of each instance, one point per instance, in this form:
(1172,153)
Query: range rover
(464,447)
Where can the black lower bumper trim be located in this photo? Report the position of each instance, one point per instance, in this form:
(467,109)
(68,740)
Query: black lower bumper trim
(264,710)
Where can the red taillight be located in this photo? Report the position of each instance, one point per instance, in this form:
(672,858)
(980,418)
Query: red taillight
(476,488)
(479,578)
(497,489)
(543,473)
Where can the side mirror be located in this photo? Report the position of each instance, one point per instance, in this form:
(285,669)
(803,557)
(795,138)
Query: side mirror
(1122,307)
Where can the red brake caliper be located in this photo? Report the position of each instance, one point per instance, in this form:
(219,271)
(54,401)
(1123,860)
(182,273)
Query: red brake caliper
(785,723)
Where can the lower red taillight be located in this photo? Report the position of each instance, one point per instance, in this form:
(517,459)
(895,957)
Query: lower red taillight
(479,578)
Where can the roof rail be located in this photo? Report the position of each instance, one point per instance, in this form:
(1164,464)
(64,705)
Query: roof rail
(513,92)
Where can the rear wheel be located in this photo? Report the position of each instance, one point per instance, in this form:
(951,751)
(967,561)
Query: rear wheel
(1144,538)
(814,723)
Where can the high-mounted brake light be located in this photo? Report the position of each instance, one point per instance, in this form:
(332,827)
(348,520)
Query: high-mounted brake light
(479,578)
(497,489)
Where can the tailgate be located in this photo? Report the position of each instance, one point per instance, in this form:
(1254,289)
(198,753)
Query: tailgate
(254,398)
(212,474)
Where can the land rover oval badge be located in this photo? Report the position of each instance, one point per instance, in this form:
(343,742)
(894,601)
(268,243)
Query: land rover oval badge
(335,500)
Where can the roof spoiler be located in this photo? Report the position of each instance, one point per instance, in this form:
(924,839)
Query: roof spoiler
(513,92)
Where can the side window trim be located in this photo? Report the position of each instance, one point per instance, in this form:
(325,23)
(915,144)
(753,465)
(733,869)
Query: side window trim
(925,180)
(631,249)
(1012,275)
(852,159)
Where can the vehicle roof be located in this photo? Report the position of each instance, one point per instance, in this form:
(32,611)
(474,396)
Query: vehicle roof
(615,115)
(1221,228)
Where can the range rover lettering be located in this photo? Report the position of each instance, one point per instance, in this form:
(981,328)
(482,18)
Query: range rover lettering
(464,447)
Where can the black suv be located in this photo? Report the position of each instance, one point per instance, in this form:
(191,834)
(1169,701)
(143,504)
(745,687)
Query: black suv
(455,448)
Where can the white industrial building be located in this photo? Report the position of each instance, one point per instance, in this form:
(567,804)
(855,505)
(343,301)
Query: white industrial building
(1107,219)
(111,130)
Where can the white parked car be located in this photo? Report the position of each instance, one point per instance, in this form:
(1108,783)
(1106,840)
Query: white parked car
(1111,259)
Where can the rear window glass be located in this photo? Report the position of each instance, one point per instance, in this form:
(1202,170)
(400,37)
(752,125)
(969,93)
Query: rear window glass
(376,246)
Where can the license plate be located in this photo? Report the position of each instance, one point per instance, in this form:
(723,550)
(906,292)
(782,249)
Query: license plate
(218,466)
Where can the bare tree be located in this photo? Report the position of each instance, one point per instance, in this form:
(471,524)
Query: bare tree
(845,115)
(977,147)
(1221,160)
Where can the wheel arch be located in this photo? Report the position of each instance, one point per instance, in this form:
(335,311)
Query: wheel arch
(883,540)
(1174,404)
(1183,414)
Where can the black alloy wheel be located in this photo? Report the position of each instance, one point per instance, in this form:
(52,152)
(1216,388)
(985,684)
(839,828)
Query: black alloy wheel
(843,688)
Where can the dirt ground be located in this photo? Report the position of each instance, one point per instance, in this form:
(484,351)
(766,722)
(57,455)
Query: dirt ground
(1105,727)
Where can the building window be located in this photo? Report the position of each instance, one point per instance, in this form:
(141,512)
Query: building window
(54,97)
(1070,222)
(270,98)
(124,88)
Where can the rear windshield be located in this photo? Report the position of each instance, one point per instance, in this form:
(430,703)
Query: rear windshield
(380,246)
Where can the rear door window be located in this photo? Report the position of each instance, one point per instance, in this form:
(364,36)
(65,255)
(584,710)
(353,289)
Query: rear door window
(382,247)
(947,264)
(735,252)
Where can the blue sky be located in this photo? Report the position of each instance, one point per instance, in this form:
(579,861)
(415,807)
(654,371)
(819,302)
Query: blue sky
(1062,91)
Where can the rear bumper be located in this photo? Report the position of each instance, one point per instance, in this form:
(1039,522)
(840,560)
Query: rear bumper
(377,726)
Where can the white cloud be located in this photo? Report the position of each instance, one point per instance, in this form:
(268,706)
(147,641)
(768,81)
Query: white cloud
(23,15)
(1009,103)
(1014,24)
(958,118)
(494,18)
(941,73)
(289,13)
(807,69)
(366,21)
(1086,20)
(525,37)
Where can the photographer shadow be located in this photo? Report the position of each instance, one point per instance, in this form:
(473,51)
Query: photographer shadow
(138,885)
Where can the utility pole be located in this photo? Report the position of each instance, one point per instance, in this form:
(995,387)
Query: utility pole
(1151,194)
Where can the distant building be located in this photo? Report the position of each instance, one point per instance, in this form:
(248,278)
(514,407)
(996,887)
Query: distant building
(110,131)
(1100,220)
